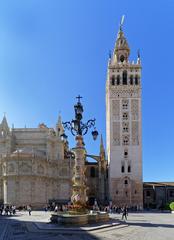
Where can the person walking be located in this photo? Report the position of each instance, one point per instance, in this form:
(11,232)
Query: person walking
(14,209)
(29,209)
(125,213)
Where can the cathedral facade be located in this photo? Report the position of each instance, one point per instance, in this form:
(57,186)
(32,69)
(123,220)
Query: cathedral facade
(33,166)
(123,126)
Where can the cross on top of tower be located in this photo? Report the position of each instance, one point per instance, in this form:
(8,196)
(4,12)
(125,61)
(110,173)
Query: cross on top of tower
(78,97)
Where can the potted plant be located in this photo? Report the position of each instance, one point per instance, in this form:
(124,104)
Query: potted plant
(172,207)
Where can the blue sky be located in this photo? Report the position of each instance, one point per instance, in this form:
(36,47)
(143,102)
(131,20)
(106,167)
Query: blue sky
(51,51)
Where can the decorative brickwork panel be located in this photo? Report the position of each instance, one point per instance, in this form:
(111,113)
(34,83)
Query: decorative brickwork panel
(128,93)
(135,131)
(135,109)
(116,133)
(116,109)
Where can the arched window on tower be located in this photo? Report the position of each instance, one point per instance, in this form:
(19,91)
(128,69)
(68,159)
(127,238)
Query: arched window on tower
(92,172)
(125,153)
(131,79)
(125,116)
(126,182)
(122,169)
(136,80)
(122,58)
(148,193)
(125,127)
(113,80)
(125,140)
(118,79)
(124,77)
(129,169)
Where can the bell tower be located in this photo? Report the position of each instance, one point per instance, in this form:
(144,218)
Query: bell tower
(123,125)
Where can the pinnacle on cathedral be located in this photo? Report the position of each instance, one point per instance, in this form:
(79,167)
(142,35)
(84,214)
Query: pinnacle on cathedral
(4,124)
(59,126)
(102,149)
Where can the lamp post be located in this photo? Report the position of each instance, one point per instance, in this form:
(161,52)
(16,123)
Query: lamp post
(79,129)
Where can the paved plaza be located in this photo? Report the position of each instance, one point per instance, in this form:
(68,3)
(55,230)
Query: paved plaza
(140,226)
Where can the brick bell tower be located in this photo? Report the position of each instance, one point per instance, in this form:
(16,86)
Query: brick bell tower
(123,125)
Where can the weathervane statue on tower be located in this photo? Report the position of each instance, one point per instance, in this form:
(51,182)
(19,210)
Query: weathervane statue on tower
(121,22)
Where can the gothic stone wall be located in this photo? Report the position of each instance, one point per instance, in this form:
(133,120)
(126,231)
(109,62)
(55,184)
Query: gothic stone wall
(31,180)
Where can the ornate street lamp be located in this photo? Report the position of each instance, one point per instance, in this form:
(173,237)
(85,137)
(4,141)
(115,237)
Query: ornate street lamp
(79,129)
(76,126)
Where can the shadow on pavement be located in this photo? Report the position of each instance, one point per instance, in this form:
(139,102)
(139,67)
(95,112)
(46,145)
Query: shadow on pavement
(150,225)
(21,229)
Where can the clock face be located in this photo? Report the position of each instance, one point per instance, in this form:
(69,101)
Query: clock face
(122,58)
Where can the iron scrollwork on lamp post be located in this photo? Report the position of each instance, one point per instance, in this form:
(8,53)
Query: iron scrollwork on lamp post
(76,126)
(79,129)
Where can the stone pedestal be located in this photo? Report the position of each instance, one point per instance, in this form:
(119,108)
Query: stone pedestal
(79,180)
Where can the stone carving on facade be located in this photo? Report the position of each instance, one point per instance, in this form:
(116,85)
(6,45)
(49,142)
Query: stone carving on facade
(40,169)
(115,93)
(116,109)
(25,168)
(4,168)
(52,132)
(135,133)
(135,109)
(116,133)
(11,168)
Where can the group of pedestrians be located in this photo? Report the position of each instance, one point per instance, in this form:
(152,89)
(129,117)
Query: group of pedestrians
(11,209)
(7,210)
(56,207)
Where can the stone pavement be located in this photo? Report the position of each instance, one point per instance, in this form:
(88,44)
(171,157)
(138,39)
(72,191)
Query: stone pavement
(3,227)
(139,226)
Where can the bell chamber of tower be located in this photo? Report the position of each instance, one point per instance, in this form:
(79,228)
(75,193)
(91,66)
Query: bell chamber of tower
(123,126)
